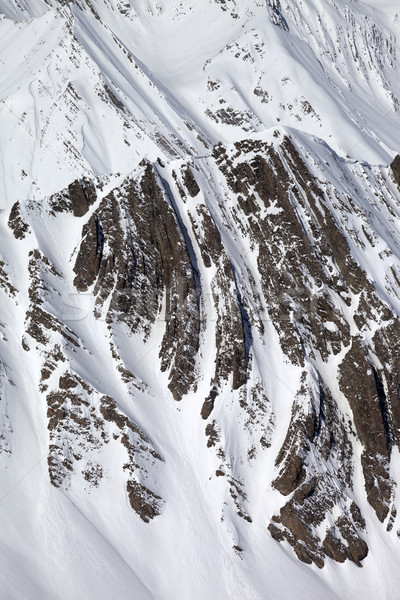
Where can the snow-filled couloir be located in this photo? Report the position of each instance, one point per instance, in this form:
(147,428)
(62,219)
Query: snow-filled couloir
(200,287)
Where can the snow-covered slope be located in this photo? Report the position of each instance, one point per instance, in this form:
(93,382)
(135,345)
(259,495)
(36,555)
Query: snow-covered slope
(199,277)
(94,87)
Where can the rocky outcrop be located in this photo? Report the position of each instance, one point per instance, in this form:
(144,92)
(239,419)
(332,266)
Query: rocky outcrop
(77,198)
(306,265)
(40,324)
(395,167)
(360,383)
(211,274)
(317,439)
(16,223)
(232,334)
(77,412)
(134,252)
(287,260)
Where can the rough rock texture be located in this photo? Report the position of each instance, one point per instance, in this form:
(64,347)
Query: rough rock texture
(134,251)
(16,222)
(395,166)
(305,264)
(214,271)
(77,198)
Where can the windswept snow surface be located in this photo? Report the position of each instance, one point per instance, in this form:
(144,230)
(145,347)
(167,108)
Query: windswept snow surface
(90,88)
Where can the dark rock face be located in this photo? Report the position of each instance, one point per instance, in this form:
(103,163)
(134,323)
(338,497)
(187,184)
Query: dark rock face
(190,183)
(314,495)
(286,257)
(152,257)
(270,253)
(367,399)
(16,223)
(39,323)
(77,198)
(74,411)
(231,338)
(293,251)
(300,242)
(142,500)
(395,166)
(88,262)
(208,404)
(146,269)
(81,421)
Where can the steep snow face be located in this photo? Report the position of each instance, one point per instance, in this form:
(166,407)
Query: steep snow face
(208,345)
(199,280)
(168,79)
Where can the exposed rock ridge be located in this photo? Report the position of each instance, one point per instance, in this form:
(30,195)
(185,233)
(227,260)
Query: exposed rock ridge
(135,254)
(156,255)
(306,265)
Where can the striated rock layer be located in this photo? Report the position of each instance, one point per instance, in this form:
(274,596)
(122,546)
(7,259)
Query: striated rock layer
(217,257)
(199,280)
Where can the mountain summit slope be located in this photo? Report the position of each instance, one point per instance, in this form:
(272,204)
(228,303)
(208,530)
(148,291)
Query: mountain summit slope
(94,87)
(200,275)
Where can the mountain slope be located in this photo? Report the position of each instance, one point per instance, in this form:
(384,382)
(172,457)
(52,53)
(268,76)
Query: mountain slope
(200,275)
(95,89)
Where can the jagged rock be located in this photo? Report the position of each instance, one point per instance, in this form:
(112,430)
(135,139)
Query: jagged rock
(256,282)
(145,261)
(77,198)
(293,475)
(141,264)
(88,262)
(395,166)
(142,500)
(359,382)
(16,223)
(190,182)
(208,404)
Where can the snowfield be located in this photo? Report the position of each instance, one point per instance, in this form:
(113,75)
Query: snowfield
(132,99)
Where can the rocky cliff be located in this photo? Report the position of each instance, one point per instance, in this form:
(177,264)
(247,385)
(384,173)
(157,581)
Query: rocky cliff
(200,284)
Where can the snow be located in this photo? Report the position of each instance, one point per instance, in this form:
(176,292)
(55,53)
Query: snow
(57,123)
(159,64)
